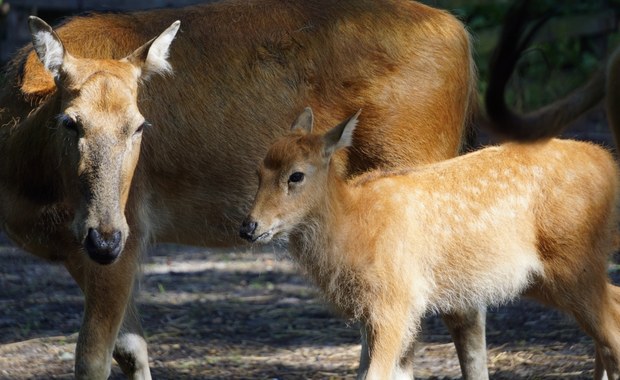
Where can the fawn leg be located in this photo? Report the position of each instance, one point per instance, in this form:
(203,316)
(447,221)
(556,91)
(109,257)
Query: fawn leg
(467,328)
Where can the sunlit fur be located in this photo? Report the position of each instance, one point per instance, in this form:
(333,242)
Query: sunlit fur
(241,71)
(387,248)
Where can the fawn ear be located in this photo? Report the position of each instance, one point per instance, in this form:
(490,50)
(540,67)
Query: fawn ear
(152,57)
(47,45)
(341,136)
(304,122)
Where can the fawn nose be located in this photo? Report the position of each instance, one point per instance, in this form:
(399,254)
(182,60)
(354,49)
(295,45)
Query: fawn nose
(247,229)
(103,248)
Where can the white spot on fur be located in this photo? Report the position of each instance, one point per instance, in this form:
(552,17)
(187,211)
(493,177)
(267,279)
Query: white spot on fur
(132,341)
(133,346)
(538,172)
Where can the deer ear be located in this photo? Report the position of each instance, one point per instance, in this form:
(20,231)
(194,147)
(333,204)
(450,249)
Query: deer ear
(304,122)
(341,136)
(47,45)
(152,57)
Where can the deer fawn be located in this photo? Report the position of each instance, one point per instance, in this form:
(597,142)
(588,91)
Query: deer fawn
(386,248)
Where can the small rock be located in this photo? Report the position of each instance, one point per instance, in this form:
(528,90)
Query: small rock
(66,356)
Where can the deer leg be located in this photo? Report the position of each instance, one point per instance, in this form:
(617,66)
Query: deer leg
(404,369)
(467,328)
(386,340)
(599,366)
(601,320)
(107,292)
(468,333)
(595,304)
(604,327)
(130,351)
(364,355)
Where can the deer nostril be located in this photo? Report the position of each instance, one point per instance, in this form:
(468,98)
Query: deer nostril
(116,238)
(94,238)
(103,248)
(247,229)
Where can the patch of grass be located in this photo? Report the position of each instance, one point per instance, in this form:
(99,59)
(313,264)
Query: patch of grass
(547,70)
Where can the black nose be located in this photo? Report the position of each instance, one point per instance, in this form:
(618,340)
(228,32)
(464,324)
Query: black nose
(247,229)
(103,248)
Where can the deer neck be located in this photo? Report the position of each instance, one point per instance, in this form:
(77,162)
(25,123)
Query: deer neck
(30,185)
(30,155)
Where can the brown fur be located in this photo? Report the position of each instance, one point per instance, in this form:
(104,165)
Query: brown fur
(385,249)
(241,70)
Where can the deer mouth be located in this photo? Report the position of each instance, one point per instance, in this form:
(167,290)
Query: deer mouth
(263,238)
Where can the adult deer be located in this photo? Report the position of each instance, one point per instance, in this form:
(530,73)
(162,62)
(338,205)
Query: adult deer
(97,161)
(386,248)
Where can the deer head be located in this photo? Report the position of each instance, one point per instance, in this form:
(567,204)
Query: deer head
(294,178)
(99,129)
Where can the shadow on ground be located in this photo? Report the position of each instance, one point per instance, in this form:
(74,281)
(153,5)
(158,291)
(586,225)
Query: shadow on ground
(249,315)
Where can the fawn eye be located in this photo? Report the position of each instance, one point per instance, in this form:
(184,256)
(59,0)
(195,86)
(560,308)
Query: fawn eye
(296,177)
(142,126)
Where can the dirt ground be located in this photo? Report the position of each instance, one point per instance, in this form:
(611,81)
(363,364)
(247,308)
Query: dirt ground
(247,314)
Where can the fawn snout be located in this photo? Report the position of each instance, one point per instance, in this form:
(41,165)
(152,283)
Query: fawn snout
(247,229)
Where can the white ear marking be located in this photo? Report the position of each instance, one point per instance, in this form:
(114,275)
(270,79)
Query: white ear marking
(157,57)
(47,45)
(346,139)
(152,57)
(304,121)
(341,136)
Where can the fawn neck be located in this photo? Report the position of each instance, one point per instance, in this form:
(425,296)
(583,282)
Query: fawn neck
(319,245)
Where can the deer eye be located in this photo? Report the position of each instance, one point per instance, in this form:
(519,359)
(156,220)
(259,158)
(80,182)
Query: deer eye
(296,177)
(68,123)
